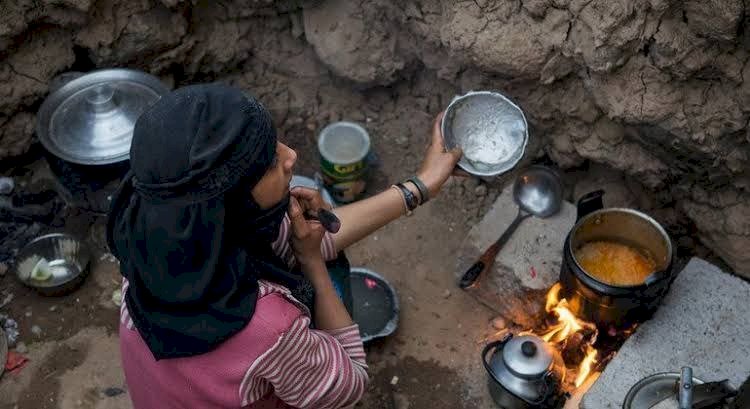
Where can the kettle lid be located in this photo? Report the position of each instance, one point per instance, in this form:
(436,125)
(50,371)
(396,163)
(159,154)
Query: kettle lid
(528,356)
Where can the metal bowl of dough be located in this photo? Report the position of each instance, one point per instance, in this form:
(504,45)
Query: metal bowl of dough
(374,304)
(491,130)
(55,264)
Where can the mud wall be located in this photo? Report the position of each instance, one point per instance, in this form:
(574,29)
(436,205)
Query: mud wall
(654,88)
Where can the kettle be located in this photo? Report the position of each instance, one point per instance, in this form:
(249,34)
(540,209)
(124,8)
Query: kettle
(524,372)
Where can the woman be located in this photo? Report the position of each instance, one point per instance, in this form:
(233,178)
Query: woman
(218,259)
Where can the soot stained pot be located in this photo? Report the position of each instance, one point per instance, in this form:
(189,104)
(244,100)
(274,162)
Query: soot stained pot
(525,372)
(86,126)
(607,305)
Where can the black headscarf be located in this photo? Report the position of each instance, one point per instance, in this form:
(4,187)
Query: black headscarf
(191,240)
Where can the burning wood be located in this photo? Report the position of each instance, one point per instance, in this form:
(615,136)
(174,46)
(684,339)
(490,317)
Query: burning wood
(574,337)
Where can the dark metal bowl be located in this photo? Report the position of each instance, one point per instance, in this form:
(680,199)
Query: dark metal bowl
(375,304)
(64,258)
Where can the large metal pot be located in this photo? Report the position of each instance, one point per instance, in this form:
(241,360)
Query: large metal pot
(86,127)
(607,305)
(525,372)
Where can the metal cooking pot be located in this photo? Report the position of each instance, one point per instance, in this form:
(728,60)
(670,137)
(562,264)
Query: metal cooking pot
(525,372)
(86,127)
(89,120)
(607,305)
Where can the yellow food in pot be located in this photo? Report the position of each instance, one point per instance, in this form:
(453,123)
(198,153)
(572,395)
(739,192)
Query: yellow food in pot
(614,263)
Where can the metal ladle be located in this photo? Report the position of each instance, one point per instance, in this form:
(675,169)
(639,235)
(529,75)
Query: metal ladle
(537,192)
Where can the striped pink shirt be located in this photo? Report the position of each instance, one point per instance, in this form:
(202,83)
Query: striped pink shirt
(276,361)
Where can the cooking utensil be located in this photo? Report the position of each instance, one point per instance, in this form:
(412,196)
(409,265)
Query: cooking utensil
(375,304)
(537,192)
(685,388)
(491,130)
(54,264)
(653,389)
(327,218)
(605,304)
(524,372)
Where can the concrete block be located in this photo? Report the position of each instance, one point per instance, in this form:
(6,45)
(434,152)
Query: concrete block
(704,322)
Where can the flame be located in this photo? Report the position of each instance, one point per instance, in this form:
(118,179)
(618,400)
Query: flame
(585,368)
(566,326)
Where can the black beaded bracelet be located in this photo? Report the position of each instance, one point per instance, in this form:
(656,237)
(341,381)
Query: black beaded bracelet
(411,201)
(424,193)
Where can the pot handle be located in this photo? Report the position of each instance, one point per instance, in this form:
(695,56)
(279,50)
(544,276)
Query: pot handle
(491,346)
(590,202)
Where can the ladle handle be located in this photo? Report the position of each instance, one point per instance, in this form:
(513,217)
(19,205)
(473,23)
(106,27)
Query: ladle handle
(487,260)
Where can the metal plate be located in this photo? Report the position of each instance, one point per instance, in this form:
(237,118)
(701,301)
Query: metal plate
(491,130)
(375,304)
(653,389)
(90,120)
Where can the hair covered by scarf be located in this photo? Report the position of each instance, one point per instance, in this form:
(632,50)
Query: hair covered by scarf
(191,240)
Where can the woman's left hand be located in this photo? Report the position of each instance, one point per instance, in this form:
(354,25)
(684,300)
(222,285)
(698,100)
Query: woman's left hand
(438,164)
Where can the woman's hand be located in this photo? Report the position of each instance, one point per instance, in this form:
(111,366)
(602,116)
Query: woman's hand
(306,235)
(438,164)
(310,199)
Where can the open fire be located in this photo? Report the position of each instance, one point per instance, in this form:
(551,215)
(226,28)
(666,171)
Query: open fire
(575,338)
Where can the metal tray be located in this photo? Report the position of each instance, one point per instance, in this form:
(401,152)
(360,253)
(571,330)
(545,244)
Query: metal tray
(375,304)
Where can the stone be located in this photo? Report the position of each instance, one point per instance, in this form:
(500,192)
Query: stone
(6,185)
(141,30)
(702,323)
(499,323)
(529,43)
(36,330)
(354,40)
(31,66)
(113,391)
(715,19)
(723,219)
(481,190)
(447,294)
(525,268)
(21,348)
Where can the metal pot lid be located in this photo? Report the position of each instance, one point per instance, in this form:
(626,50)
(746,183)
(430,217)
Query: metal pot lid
(90,119)
(528,356)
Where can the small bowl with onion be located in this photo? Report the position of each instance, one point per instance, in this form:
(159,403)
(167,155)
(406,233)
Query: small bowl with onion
(53,264)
